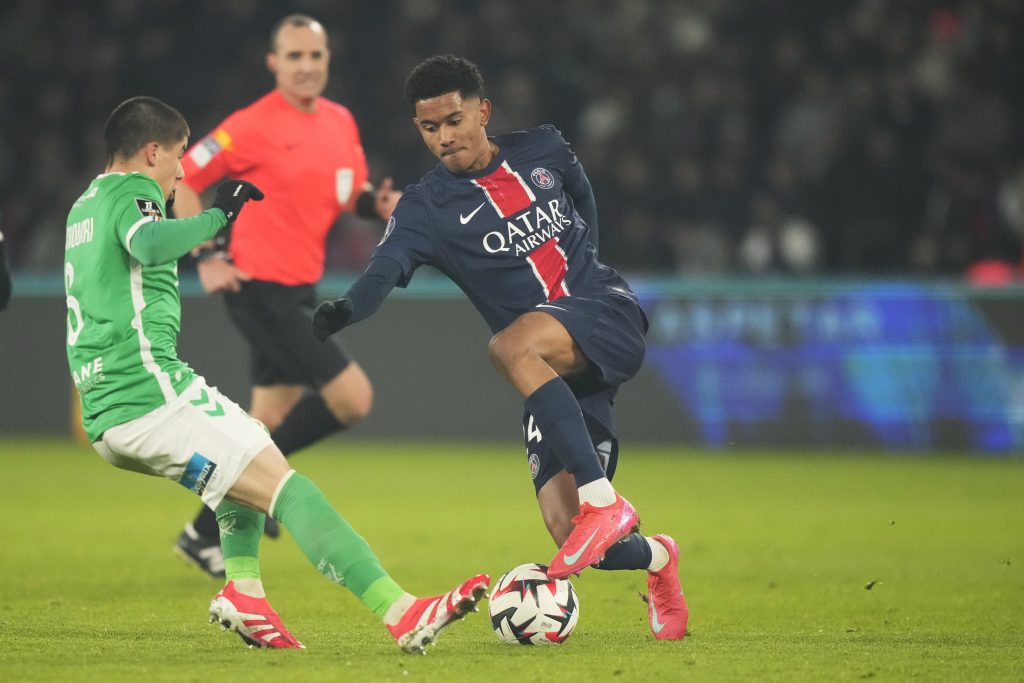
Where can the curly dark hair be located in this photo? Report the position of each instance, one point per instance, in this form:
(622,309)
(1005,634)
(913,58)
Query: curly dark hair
(441,74)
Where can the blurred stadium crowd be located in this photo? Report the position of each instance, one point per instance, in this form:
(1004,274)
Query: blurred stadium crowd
(721,136)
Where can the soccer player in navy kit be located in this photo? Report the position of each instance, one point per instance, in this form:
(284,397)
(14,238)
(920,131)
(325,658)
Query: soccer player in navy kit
(513,222)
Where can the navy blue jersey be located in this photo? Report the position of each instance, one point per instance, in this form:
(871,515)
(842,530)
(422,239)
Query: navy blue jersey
(508,235)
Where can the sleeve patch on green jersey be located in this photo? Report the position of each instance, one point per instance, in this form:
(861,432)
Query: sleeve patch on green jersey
(148,208)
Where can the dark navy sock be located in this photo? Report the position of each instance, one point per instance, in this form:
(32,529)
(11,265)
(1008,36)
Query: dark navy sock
(306,423)
(557,414)
(632,552)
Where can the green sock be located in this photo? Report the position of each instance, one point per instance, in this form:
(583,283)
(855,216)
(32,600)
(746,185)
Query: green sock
(332,545)
(241,528)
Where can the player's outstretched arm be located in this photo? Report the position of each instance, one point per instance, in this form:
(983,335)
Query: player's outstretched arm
(213,265)
(361,300)
(161,242)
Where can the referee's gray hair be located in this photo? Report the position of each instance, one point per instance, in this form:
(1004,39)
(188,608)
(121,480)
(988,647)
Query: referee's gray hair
(297,20)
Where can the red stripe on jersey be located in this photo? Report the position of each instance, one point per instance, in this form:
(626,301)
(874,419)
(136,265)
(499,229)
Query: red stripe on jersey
(550,266)
(506,191)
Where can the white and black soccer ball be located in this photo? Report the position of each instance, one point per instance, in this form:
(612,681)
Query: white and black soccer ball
(528,608)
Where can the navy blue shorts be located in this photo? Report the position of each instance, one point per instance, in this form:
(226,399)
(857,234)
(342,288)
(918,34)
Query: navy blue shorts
(277,322)
(611,333)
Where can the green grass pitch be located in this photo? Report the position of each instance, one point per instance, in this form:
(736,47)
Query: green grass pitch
(797,568)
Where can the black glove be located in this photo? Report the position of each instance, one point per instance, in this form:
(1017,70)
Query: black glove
(233,194)
(331,316)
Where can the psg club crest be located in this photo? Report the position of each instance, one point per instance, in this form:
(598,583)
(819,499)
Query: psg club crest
(534,465)
(542,178)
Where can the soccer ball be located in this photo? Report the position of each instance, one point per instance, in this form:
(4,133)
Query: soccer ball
(528,608)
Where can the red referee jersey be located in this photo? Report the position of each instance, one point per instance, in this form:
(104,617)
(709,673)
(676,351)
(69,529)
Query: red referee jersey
(310,167)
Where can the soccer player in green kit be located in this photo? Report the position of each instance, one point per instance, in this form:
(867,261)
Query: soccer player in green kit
(145,410)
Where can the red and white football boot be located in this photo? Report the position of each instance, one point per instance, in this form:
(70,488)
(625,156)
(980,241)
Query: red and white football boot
(253,619)
(426,618)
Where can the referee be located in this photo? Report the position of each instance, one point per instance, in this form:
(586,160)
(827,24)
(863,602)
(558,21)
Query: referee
(305,153)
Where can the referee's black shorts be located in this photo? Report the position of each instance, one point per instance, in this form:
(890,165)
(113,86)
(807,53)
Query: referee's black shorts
(276,320)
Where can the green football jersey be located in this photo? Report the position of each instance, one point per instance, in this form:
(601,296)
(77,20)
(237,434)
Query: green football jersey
(123,318)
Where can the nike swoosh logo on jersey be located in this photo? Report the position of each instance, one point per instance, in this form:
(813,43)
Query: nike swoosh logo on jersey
(571,559)
(466,219)
(557,308)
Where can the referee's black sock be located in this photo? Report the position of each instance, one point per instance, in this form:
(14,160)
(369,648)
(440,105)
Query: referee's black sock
(308,422)
(205,524)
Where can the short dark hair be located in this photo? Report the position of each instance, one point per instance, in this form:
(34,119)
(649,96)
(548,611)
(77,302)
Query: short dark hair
(141,120)
(441,74)
(297,20)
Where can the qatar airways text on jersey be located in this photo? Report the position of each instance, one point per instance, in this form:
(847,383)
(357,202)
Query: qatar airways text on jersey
(509,235)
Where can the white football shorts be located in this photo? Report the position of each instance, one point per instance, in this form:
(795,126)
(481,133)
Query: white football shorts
(202,440)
